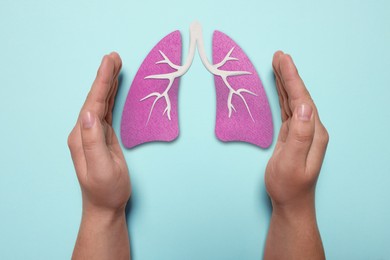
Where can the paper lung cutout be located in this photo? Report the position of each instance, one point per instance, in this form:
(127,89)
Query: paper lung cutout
(150,112)
(243,111)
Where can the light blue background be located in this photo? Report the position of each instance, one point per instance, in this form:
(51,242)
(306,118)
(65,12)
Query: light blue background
(196,198)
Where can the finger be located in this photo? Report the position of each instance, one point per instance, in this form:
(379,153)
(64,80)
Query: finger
(116,148)
(108,133)
(318,148)
(93,140)
(284,131)
(282,90)
(97,98)
(111,102)
(76,150)
(286,112)
(118,63)
(111,99)
(300,135)
(281,93)
(275,63)
(293,84)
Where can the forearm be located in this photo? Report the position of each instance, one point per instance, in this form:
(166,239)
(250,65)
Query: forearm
(294,234)
(102,235)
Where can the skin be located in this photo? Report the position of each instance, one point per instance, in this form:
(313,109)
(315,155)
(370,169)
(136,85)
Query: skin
(293,169)
(101,170)
(290,178)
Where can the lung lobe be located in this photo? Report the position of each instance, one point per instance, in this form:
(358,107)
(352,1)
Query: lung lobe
(250,117)
(141,120)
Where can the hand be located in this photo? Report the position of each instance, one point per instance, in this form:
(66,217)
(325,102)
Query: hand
(97,156)
(293,169)
(101,170)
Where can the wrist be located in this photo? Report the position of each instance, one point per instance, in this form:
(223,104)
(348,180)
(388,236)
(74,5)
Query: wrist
(102,235)
(300,216)
(101,215)
(303,208)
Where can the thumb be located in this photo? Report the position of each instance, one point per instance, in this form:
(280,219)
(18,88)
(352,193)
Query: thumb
(300,135)
(93,140)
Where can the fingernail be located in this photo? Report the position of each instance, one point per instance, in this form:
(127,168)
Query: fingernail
(87,120)
(304,112)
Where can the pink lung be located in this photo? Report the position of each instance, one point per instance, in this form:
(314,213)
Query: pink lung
(257,129)
(135,126)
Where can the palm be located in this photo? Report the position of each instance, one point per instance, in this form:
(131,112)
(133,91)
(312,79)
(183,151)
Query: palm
(274,182)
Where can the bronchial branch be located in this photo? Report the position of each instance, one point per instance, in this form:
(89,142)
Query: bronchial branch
(224,74)
(196,40)
(179,71)
(171,78)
